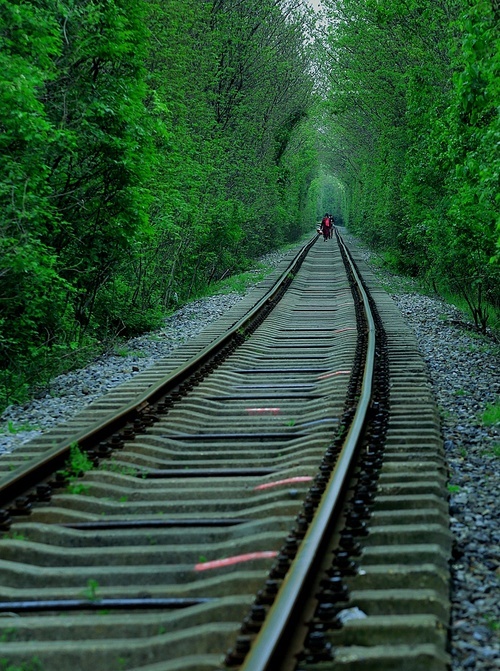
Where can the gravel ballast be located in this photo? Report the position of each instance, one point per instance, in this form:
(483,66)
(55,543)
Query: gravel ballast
(464,370)
(68,394)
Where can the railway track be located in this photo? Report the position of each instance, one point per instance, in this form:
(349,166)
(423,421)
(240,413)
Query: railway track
(271,497)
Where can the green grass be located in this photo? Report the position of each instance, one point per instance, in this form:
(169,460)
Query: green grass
(387,267)
(453,489)
(491,451)
(491,622)
(491,414)
(32,665)
(481,344)
(78,488)
(12,428)
(9,634)
(241,282)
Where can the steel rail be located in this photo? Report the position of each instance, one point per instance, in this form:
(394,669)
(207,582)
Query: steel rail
(40,468)
(33,472)
(267,649)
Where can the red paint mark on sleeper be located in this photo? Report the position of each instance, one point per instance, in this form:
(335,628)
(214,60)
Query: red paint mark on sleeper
(237,559)
(288,481)
(347,328)
(337,372)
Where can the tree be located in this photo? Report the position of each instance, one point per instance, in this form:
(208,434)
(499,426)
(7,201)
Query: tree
(412,96)
(70,170)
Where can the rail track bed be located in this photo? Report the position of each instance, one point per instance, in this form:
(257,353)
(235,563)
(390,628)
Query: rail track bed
(276,503)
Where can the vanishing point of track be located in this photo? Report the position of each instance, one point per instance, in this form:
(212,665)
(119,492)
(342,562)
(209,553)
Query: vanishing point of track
(270,497)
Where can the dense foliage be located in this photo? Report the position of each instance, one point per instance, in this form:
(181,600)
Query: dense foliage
(413,112)
(149,148)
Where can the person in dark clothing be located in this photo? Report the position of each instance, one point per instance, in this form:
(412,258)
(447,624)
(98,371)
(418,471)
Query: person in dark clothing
(332,224)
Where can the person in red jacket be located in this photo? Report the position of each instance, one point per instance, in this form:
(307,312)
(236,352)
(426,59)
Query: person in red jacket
(326,227)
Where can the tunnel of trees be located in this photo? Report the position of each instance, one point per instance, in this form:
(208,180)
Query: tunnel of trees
(150,147)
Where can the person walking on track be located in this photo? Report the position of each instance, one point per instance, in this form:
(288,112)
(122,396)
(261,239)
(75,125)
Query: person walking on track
(326,227)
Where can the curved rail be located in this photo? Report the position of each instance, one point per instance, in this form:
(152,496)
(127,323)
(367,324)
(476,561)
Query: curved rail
(267,648)
(30,475)
(192,509)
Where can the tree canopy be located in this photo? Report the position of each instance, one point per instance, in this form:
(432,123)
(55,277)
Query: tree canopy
(412,106)
(150,148)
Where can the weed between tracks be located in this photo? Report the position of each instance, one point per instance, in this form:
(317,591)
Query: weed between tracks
(123,469)
(9,635)
(90,592)
(77,464)
(15,536)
